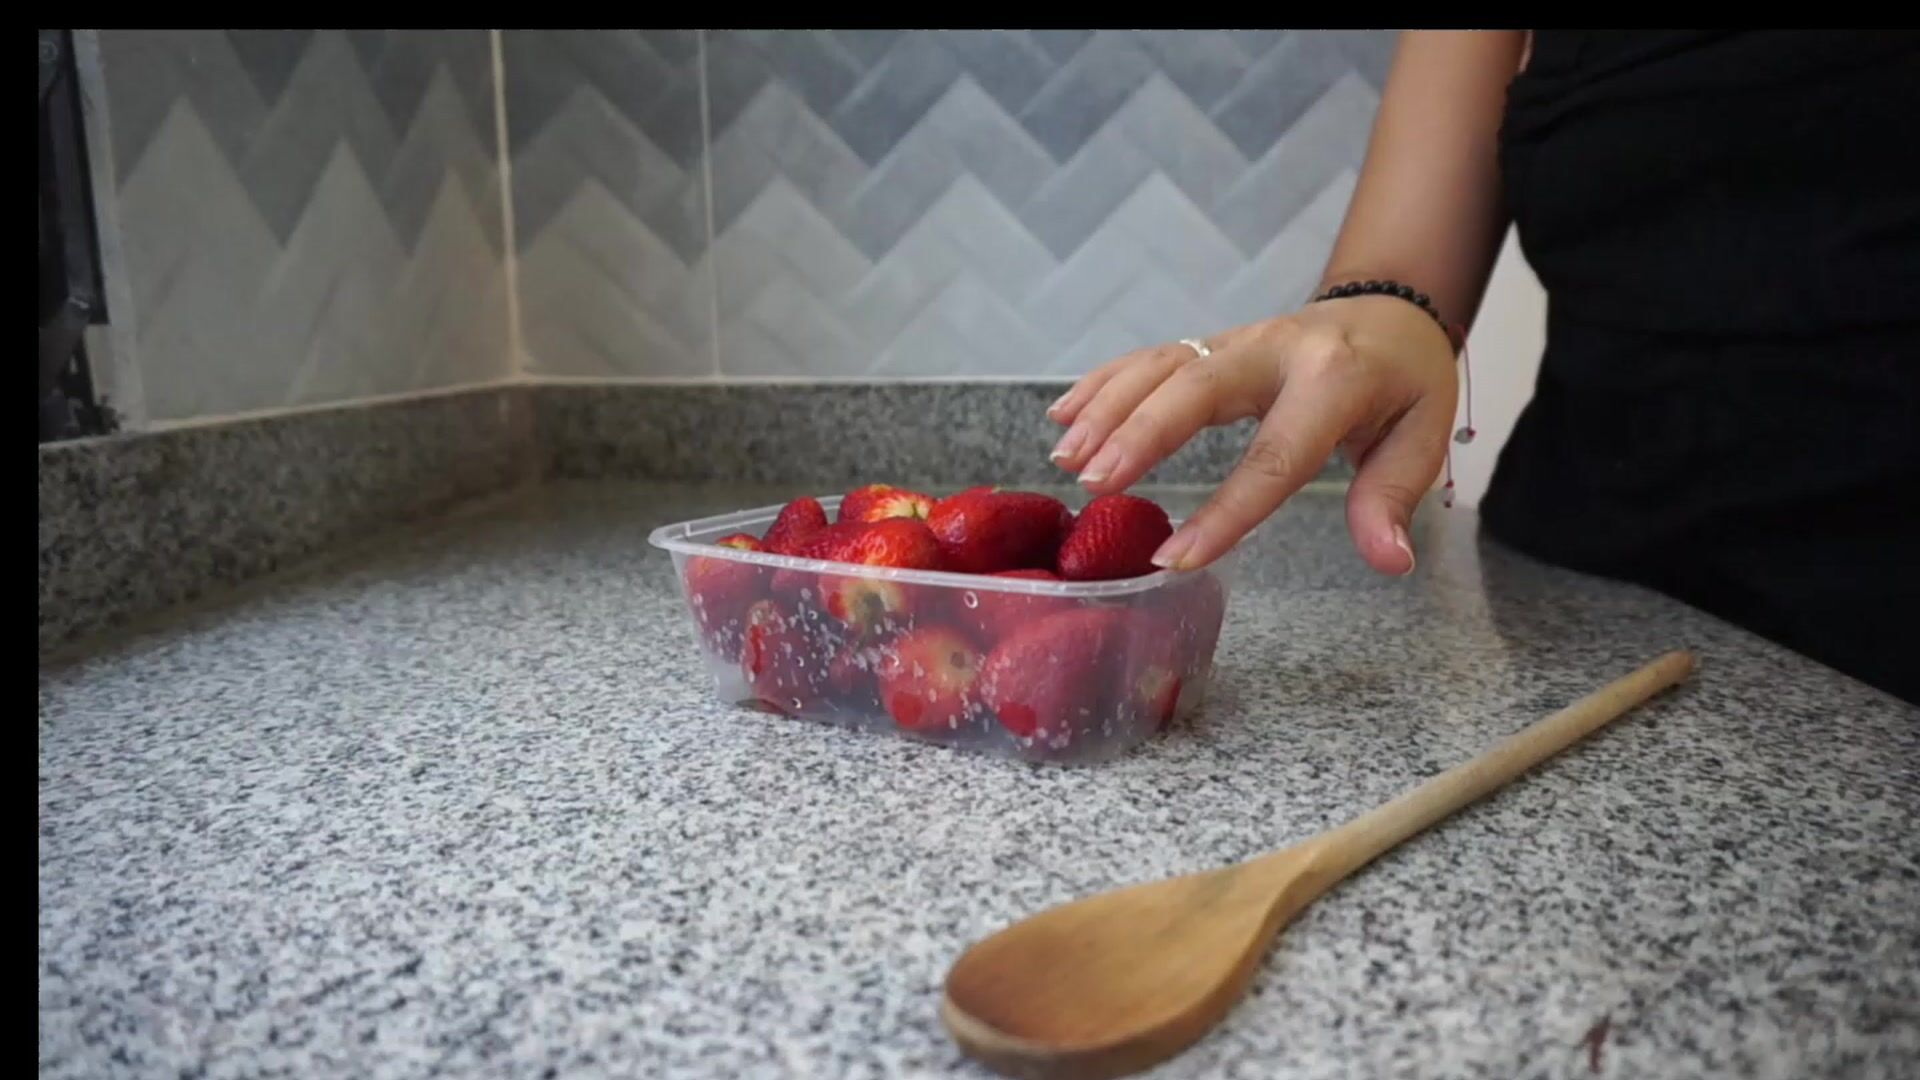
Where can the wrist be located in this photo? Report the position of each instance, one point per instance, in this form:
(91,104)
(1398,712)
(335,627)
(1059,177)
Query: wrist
(1347,288)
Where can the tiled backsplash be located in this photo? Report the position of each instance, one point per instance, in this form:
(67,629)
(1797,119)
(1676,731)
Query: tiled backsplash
(920,203)
(312,216)
(304,216)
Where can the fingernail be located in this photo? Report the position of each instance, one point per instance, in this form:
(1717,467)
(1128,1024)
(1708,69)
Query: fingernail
(1057,402)
(1101,466)
(1068,443)
(1171,552)
(1400,540)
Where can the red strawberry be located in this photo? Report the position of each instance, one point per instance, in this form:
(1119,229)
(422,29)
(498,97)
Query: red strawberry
(1114,537)
(838,542)
(1153,681)
(983,531)
(798,520)
(1048,678)
(789,583)
(828,542)
(719,590)
(821,545)
(887,542)
(929,679)
(877,502)
(852,676)
(1156,693)
(991,615)
(777,657)
(866,603)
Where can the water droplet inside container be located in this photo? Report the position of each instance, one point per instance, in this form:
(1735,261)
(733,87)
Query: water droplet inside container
(806,594)
(970,599)
(797,703)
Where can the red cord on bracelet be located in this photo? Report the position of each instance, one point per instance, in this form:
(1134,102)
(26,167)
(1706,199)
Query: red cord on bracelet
(1465,433)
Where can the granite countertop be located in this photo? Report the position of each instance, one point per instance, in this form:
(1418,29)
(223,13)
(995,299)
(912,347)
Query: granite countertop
(464,806)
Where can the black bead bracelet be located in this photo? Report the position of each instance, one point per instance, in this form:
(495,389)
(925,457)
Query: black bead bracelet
(1388,288)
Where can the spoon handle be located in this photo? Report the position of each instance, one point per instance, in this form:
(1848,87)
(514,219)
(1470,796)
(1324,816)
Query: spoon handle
(1378,831)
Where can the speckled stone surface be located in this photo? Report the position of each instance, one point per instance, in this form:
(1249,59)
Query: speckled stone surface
(467,808)
(135,524)
(833,434)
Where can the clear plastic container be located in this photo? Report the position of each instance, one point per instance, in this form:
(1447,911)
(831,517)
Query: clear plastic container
(1038,670)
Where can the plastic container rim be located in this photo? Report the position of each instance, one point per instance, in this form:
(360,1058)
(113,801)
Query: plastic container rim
(677,538)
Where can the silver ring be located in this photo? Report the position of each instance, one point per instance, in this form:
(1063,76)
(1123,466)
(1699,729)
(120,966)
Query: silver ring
(1197,346)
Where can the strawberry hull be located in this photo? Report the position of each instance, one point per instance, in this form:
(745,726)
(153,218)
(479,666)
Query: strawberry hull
(1019,664)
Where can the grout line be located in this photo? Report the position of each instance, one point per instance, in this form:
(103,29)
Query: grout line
(517,358)
(706,176)
(317,407)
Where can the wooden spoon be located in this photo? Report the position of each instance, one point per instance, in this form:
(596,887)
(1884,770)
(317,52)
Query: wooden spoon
(1119,982)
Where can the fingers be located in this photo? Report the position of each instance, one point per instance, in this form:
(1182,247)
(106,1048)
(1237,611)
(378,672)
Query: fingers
(1224,387)
(1134,377)
(1068,405)
(1393,476)
(1326,395)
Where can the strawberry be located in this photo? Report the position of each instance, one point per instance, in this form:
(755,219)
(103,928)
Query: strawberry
(982,531)
(835,543)
(990,614)
(929,679)
(1156,694)
(897,541)
(1114,537)
(777,658)
(820,545)
(719,590)
(864,603)
(1153,680)
(851,676)
(877,502)
(868,606)
(1047,679)
(798,520)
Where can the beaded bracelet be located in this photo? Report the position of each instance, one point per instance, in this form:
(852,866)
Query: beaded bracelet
(1394,289)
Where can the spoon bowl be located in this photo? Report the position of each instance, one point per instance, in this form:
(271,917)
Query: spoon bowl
(1122,978)
(1119,982)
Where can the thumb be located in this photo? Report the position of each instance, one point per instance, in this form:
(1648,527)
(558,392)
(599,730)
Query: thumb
(1393,476)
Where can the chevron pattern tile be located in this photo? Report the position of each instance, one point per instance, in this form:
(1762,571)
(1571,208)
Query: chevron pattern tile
(306,216)
(905,204)
(610,201)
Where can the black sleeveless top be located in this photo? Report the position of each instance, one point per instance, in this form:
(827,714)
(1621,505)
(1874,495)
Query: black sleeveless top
(1727,225)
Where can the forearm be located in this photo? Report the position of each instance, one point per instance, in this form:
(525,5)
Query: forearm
(1428,210)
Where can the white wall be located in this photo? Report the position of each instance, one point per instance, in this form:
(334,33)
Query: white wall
(1504,349)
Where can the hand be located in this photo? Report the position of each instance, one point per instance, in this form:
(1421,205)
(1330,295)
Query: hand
(1371,376)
